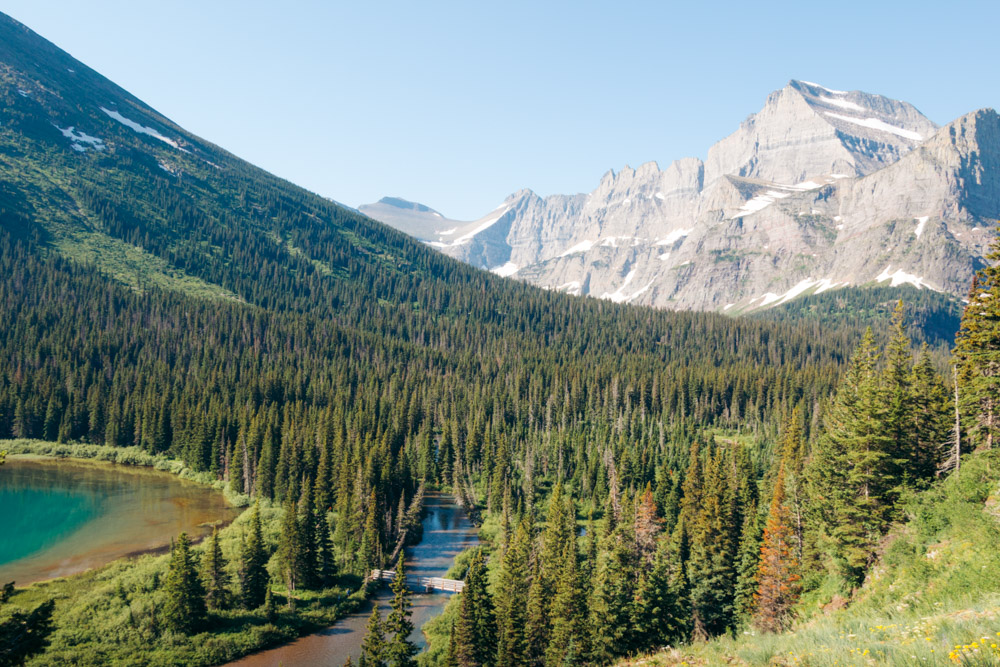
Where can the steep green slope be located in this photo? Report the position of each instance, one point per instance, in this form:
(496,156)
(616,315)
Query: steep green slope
(933,316)
(159,293)
(933,598)
(161,211)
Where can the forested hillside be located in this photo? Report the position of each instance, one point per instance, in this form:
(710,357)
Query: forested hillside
(161,295)
(932,317)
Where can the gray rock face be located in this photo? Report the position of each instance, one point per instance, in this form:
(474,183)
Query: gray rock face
(410,217)
(805,129)
(818,190)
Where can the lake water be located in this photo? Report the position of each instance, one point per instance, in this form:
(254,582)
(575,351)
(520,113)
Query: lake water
(64,516)
(447,531)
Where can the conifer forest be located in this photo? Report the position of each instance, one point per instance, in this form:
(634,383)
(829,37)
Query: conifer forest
(642,481)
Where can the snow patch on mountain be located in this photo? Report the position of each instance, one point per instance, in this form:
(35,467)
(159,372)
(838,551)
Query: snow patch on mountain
(141,129)
(829,90)
(619,295)
(81,141)
(508,269)
(572,287)
(843,104)
(582,246)
(481,227)
(901,277)
(759,203)
(674,236)
(801,287)
(877,124)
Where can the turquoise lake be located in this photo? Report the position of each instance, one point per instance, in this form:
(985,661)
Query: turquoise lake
(65,516)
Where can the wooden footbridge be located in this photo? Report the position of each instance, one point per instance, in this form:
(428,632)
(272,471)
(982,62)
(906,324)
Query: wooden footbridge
(427,583)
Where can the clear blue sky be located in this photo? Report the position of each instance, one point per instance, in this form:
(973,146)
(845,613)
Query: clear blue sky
(459,104)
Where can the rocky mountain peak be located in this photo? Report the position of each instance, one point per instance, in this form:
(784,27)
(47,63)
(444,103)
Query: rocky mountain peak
(399,202)
(806,130)
(819,189)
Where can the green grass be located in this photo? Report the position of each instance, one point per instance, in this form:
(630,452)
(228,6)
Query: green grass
(124,456)
(932,599)
(109,615)
(133,266)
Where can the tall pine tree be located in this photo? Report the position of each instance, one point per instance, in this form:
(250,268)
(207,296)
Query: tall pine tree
(254,579)
(474,634)
(399,650)
(977,355)
(850,479)
(214,574)
(778,587)
(373,646)
(512,600)
(184,602)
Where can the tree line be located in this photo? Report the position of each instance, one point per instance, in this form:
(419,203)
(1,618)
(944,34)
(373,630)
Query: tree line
(730,542)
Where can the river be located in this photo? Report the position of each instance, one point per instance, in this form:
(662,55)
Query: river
(63,516)
(447,531)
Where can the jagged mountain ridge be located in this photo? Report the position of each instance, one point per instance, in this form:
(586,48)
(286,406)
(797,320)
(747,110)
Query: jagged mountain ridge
(820,189)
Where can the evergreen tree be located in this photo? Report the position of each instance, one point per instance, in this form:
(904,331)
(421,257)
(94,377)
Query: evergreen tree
(679,589)
(326,556)
(400,650)
(711,566)
(184,601)
(747,567)
(309,541)
(850,484)
(778,575)
(793,457)
(931,417)
(373,647)
(451,656)
(659,613)
(511,598)
(270,610)
(537,631)
(214,574)
(614,595)
(569,606)
(559,532)
(290,550)
(254,579)
(898,422)
(474,636)
(371,547)
(977,355)
(24,634)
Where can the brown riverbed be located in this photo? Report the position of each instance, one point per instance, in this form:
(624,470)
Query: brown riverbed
(447,531)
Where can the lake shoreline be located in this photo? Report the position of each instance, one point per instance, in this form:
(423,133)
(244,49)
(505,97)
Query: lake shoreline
(132,457)
(76,584)
(131,511)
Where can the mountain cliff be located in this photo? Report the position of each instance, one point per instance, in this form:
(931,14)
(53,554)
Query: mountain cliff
(819,189)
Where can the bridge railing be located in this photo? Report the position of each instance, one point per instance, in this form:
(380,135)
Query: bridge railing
(427,583)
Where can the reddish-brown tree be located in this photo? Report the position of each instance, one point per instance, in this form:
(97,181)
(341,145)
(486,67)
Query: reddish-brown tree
(779,587)
(647,526)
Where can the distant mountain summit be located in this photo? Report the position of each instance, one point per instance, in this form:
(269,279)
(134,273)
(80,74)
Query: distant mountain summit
(415,219)
(820,189)
(805,130)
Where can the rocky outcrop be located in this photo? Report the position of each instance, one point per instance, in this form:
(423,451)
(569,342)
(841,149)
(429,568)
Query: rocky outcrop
(820,189)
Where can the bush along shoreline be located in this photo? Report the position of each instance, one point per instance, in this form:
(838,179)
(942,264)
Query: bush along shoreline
(269,577)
